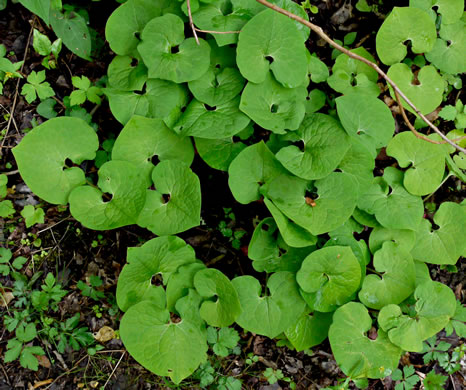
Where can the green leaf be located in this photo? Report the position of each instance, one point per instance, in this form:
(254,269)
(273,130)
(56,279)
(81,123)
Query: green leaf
(273,313)
(273,106)
(42,153)
(224,342)
(27,358)
(448,113)
(426,162)
(225,307)
(329,277)
(426,94)
(116,202)
(5,255)
(445,244)
(218,153)
(433,381)
(392,205)
(143,139)
(26,333)
(46,108)
(357,355)
(309,330)
(324,144)
(271,41)
(166,348)
(6,208)
(39,7)
(317,69)
(32,215)
(451,10)
(37,87)
(159,256)
(158,40)
(175,204)
(405,23)
(180,282)
(77,97)
(251,169)
(3,185)
(14,350)
(221,121)
(315,101)
(41,43)
(397,280)
(448,52)
(124,76)
(367,119)
(405,239)
(435,305)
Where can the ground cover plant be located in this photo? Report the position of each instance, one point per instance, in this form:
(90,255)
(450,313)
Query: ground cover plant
(342,159)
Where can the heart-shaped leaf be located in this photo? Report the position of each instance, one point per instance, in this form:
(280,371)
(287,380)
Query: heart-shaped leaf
(403,238)
(357,355)
(451,10)
(127,188)
(445,244)
(323,144)
(159,256)
(143,139)
(404,23)
(426,162)
(309,330)
(397,277)
(273,313)
(167,55)
(435,305)
(272,106)
(175,204)
(367,119)
(329,277)
(221,306)
(166,348)
(181,282)
(123,76)
(41,157)
(218,153)
(426,93)
(271,41)
(201,120)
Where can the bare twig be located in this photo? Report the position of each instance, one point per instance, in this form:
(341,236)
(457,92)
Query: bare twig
(113,371)
(216,32)
(191,23)
(318,30)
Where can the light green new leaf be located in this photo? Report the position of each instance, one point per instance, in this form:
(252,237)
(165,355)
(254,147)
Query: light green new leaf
(448,52)
(451,10)
(324,144)
(218,153)
(435,306)
(37,87)
(357,355)
(445,244)
(127,189)
(159,39)
(397,281)
(367,119)
(329,277)
(404,23)
(124,76)
(395,209)
(32,215)
(403,238)
(201,120)
(41,43)
(426,94)
(272,106)
(271,41)
(426,162)
(336,200)
(251,169)
(42,153)
(181,282)
(159,256)
(315,101)
(221,304)
(317,69)
(126,23)
(143,138)
(3,185)
(6,208)
(166,348)
(273,313)
(175,204)
(309,330)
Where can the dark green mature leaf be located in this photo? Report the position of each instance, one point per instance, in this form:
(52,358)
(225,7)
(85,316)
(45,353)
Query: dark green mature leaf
(309,330)
(143,138)
(271,41)
(435,305)
(272,106)
(181,282)
(225,308)
(159,256)
(325,143)
(218,153)
(357,355)
(123,76)
(445,244)
(42,153)
(166,348)
(397,281)
(127,188)
(403,24)
(329,277)
(39,7)
(175,204)
(403,238)
(158,40)
(273,313)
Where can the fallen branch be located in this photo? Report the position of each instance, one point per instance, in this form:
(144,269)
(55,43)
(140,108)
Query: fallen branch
(318,30)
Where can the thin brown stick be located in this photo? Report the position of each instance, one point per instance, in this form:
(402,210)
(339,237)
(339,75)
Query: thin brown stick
(215,32)
(191,23)
(318,30)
